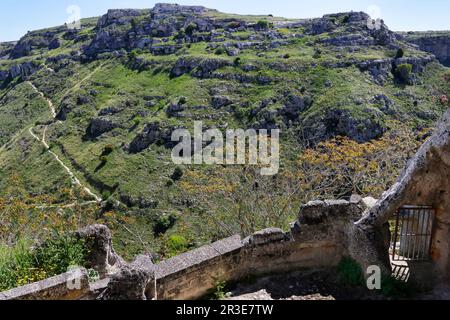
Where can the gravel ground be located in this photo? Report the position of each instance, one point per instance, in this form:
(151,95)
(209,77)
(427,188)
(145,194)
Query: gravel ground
(302,285)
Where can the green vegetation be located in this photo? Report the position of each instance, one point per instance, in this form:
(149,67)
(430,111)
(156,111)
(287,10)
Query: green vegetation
(396,289)
(315,93)
(350,272)
(403,72)
(220,290)
(20,265)
(400,53)
(176,244)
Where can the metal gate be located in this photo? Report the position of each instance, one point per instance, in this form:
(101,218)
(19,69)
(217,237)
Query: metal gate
(412,235)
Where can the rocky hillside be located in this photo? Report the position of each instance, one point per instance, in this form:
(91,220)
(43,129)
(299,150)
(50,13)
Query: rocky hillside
(437,43)
(87,115)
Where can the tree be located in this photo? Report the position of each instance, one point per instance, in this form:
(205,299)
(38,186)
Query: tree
(191,28)
(400,53)
(263,24)
(403,73)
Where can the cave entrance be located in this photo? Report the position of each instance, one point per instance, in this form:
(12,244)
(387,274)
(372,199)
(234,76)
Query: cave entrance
(411,239)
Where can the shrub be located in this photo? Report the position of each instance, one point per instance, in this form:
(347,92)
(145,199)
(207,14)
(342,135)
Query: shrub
(137,120)
(346,19)
(287,56)
(263,24)
(191,28)
(176,244)
(163,223)
(317,53)
(350,272)
(220,50)
(106,195)
(237,62)
(400,53)
(403,72)
(57,254)
(134,23)
(181,34)
(220,290)
(182,100)
(108,149)
(20,265)
(177,174)
(134,54)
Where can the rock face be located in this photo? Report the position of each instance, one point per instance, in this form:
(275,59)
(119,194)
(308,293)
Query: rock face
(23,70)
(199,67)
(129,29)
(35,40)
(338,122)
(5,49)
(131,282)
(153,133)
(381,69)
(435,43)
(294,106)
(102,256)
(99,126)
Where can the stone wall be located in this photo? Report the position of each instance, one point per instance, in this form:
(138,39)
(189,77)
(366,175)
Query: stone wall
(73,285)
(317,239)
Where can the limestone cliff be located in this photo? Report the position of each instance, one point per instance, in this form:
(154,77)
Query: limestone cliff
(437,43)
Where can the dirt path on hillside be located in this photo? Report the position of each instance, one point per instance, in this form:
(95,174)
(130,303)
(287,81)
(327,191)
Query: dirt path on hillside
(49,102)
(75,180)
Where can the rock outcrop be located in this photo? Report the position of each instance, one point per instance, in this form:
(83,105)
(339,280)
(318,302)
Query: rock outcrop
(99,126)
(153,133)
(101,257)
(23,70)
(131,282)
(340,122)
(437,43)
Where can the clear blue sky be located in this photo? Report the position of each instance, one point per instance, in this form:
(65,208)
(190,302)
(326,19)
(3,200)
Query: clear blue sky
(19,16)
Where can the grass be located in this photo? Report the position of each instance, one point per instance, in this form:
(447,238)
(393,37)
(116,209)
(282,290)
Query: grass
(20,265)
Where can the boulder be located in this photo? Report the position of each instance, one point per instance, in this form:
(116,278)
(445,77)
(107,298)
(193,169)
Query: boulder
(99,126)
(318,212)
(54,44)
(130,283)
(266,236)
(153,133)
(218,102)
(200,67)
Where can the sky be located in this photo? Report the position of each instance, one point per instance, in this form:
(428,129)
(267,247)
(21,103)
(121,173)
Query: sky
(19,16)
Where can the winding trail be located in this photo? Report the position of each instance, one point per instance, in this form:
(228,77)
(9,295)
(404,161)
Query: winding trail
(75,180)
(49,102)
